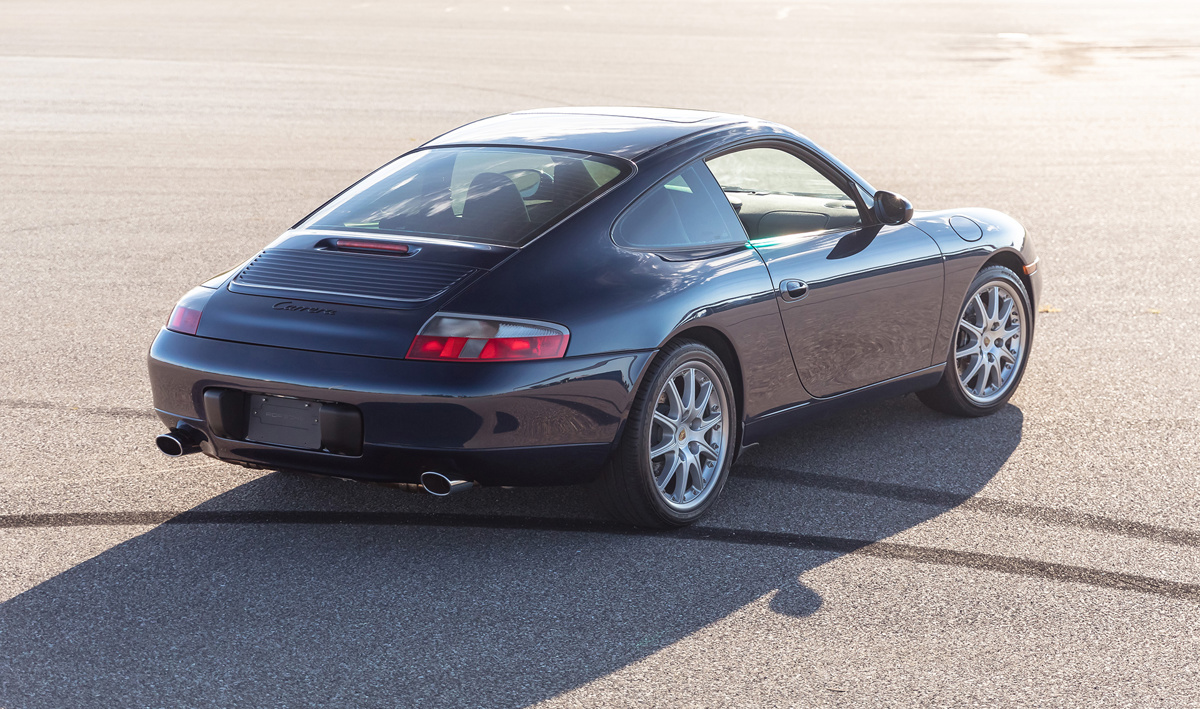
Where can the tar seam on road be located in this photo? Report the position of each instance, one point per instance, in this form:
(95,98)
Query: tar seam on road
(891,491)
(886,550)
(117,411)
(941,498)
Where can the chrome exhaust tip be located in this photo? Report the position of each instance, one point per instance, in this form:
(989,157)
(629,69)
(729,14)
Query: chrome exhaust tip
(439,485)
(178,442)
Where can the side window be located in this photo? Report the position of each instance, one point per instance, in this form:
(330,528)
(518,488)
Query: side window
(688,210)
(776,193)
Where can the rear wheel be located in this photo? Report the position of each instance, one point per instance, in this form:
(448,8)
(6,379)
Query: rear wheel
(989,349)
(676,451)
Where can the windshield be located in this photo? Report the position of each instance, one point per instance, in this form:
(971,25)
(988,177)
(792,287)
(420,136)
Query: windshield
(493,195)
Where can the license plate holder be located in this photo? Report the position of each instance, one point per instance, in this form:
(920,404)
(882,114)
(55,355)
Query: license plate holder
(283,421)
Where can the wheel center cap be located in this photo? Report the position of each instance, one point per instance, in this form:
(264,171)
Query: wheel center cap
(683,435)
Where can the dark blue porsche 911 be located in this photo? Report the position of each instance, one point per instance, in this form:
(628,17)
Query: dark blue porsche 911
(620,295)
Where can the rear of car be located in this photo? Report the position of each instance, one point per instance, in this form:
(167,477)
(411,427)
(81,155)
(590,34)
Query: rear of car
(337,348)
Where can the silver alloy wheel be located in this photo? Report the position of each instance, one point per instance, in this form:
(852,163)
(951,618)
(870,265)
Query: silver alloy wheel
(689,439)
(989,345)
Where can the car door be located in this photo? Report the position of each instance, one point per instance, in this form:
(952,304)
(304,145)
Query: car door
(860,301)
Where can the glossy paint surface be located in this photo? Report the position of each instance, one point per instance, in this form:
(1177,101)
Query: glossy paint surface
(871,310)
(411,406)
(341,325)
(875,321)
(1002,238)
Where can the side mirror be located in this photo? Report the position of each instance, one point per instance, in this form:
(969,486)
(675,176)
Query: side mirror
(891,208)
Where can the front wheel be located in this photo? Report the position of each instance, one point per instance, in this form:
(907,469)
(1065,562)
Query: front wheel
(989,349)
(677,447)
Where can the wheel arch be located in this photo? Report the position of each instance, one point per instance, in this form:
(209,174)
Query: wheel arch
(720,344)
(1013,262)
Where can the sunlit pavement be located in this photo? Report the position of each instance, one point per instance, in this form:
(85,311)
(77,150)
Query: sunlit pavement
(890,556)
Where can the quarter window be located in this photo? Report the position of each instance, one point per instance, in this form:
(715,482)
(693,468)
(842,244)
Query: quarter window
(686,211)
(776,193)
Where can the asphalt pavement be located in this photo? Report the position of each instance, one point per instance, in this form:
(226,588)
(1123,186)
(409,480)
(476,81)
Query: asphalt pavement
(887,556)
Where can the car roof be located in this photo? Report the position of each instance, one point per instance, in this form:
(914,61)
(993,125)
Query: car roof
(626,132)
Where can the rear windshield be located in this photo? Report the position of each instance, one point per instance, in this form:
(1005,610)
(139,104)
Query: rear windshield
(492,195)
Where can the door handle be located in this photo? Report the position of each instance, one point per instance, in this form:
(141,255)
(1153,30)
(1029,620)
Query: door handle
(793,290)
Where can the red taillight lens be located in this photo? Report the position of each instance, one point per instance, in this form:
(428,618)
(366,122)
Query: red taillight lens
(426,347)
(525,347)
(185,320)
(454,338)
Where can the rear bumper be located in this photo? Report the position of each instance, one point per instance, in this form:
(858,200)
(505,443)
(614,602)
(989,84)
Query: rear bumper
(517,423)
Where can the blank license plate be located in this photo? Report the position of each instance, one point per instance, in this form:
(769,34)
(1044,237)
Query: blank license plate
(284,422)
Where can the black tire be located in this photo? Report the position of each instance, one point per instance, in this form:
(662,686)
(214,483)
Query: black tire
(952,395)
(627,488)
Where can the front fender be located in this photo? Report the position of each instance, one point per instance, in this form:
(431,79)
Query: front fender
(966,253)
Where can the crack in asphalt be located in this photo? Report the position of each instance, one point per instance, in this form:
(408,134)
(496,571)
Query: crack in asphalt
(881,549)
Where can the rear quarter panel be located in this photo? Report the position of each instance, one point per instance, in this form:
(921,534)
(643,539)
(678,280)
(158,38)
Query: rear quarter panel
(614,299)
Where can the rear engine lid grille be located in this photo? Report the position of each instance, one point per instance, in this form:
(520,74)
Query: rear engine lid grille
(322,275)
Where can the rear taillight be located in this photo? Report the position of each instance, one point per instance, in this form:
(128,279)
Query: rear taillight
(185,320)
(185,317)
(463,338)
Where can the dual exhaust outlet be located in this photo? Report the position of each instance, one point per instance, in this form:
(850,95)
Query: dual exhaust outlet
(184,440)
(179,441)
(439,485)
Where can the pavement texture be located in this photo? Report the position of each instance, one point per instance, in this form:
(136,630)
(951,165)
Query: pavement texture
(888,556)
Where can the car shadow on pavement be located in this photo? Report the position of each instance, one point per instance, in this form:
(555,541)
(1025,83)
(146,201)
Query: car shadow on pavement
(295,591)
